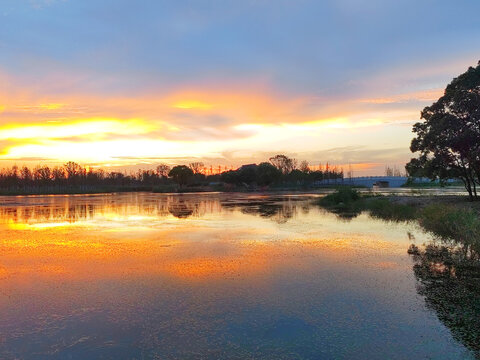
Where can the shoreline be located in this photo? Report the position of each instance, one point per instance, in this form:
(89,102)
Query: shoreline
(401,194)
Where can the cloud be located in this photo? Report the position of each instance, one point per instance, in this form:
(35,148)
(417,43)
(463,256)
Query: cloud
(224,79)
(202,123)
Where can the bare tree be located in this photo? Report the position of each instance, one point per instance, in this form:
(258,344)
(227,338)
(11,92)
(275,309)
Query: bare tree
(283,163)
(42,173)
(72,169)
(304,166)
(163,170)
(196,167)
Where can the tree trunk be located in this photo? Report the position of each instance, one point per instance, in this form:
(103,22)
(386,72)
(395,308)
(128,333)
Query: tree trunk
(468,187)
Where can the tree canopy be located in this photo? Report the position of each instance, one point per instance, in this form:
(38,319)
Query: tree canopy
(181,174)
(283,163)
(448,140)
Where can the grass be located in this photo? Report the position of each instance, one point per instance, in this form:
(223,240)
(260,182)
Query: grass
(348,202)
(431,184)
(447,221)
(345,202)
(342,197)
(386,210)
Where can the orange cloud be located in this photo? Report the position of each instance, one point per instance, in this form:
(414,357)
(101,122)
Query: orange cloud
(185,123)
(91,127)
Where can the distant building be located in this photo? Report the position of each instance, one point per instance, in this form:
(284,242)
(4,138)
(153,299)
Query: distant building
(369,181)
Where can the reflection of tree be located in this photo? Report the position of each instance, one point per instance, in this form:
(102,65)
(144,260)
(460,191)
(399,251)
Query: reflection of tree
(278,209)
(182,209)
(347,215)
(73,209)
(80,208)
(281,213)
(344,214)
(451,286)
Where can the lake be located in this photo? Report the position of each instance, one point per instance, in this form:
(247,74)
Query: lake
(209,276)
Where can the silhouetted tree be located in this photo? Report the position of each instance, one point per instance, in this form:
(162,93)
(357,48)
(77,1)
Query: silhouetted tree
(229,177)
(449,139)
(196,167)
(267,174)
(247,174)
(72,177)
(296,176)
(72,169)
(283,163)
(181,174)
(26,176)
(163,170)
(304,167)
(58,175)
(42,174)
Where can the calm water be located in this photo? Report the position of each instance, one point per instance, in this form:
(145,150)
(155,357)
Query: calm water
(211,276)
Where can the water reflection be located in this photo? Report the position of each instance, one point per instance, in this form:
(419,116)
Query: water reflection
(208,276)
(451,286)
(72,209)
(279,209)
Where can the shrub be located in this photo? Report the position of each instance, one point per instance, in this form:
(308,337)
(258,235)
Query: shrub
(343,195)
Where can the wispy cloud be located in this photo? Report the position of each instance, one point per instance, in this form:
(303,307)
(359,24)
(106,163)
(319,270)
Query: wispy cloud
(224,81)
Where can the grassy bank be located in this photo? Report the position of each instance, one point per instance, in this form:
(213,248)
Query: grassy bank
(348,202)
(432,184)
(451,219)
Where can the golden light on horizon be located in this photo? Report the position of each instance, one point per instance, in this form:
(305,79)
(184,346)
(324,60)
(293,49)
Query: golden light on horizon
(93,127)
(104,151)
(183,124)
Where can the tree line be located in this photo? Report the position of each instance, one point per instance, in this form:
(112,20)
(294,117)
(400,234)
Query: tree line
(280,170)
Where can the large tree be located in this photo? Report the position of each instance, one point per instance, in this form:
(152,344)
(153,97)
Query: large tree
(267,174)
(448,141)
(181,174)
(283,163)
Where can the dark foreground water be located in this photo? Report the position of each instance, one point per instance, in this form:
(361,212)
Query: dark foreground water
(209,276)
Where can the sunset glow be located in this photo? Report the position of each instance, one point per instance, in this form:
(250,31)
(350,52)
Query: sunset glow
(230,179)
(123,109)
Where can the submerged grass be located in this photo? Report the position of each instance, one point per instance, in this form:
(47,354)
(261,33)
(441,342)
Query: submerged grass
(348,202)
(450,222)
(447,221)
(385,209)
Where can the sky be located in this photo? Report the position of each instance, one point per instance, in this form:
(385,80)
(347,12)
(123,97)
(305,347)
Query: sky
(129,84)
